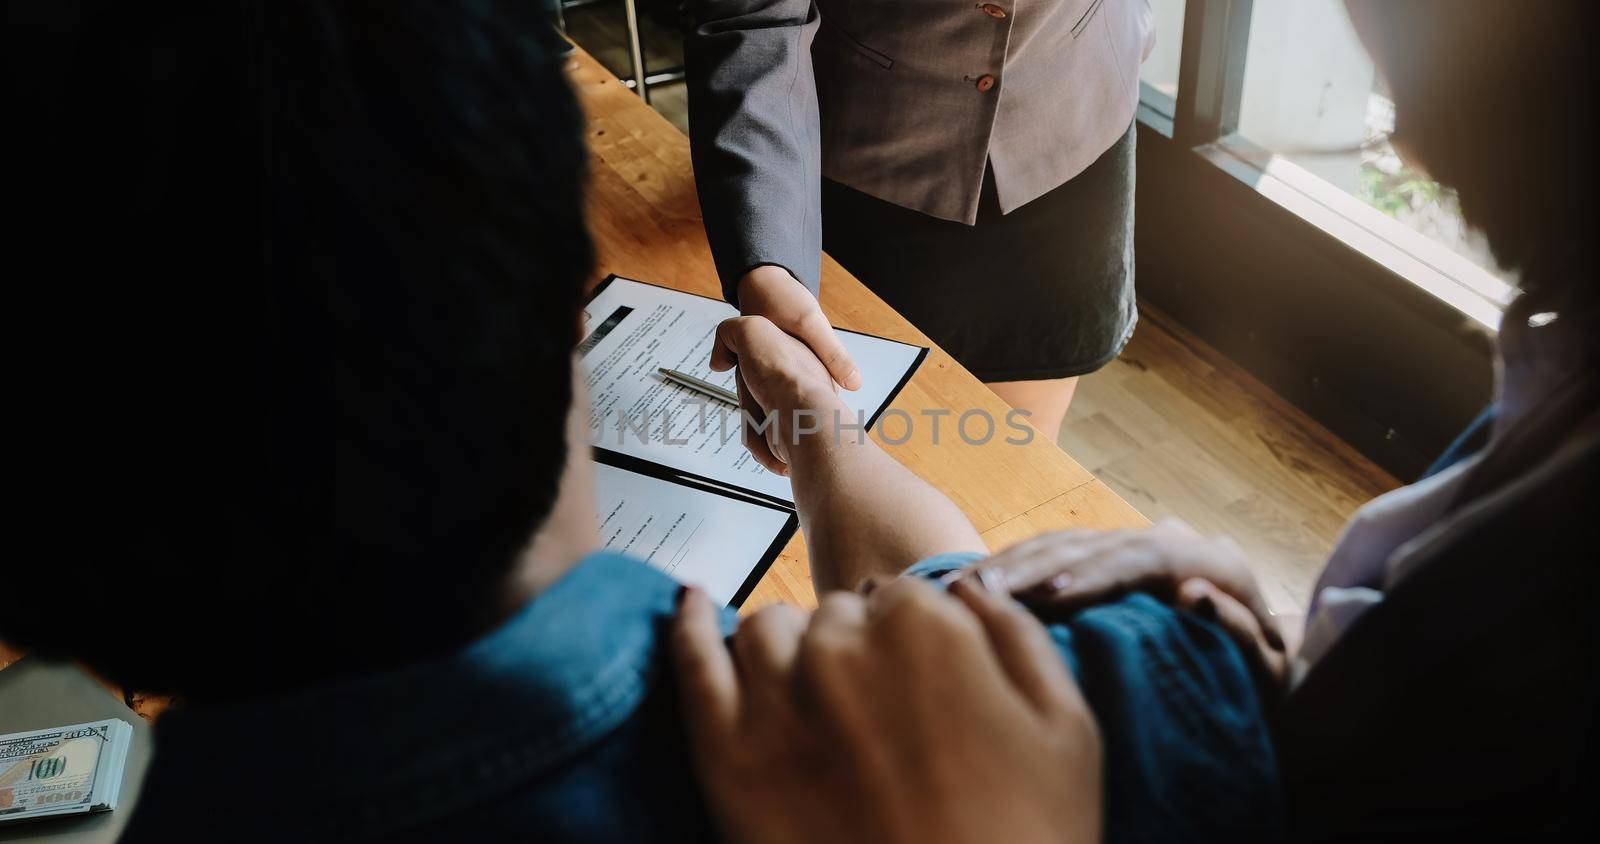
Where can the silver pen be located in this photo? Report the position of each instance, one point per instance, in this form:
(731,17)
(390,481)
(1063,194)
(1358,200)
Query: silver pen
(703,387)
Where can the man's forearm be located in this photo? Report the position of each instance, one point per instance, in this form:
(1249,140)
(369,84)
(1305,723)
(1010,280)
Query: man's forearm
(864,514)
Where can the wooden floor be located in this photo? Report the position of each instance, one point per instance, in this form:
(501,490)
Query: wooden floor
(1181,432)
(602,30)
(1172,426)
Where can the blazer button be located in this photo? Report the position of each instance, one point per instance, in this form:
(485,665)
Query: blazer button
(985,82)
(992,10)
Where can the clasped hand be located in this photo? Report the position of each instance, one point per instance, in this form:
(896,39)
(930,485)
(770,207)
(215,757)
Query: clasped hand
(788,359)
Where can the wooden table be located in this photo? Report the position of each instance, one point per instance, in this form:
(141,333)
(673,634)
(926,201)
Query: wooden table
(646,225)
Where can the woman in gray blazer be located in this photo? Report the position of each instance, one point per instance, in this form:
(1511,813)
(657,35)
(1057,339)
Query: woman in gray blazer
(971,162)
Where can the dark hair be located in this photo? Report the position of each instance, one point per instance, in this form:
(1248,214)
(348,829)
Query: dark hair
(348,252)
(1497,100)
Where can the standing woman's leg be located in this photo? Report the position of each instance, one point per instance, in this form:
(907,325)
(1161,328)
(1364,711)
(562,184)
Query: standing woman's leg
(1078,244)
(1027,300)
(1045,402)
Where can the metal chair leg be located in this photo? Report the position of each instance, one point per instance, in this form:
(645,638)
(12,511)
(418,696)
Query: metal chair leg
(636,51)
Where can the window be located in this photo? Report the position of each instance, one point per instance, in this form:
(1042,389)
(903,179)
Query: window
(1159,74)
(1288,100)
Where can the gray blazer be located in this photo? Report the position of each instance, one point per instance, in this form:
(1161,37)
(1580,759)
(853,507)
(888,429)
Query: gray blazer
(906,100)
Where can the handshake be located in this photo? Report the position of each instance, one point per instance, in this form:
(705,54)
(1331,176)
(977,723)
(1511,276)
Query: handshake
(788,361)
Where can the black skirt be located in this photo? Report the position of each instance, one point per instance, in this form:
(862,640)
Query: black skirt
(1043,292)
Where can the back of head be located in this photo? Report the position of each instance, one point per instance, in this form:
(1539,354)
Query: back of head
(325,386)
(1497,100)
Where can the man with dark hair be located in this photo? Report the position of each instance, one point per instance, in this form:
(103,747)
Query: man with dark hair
(354,361)
(343,506)
(347,492)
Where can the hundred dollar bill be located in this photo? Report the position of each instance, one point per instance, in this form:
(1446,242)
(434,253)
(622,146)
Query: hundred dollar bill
(64,770)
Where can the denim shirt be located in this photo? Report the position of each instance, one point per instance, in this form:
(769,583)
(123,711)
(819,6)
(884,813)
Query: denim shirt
(562,725)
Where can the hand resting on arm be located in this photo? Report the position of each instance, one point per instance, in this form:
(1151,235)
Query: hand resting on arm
(1058,573)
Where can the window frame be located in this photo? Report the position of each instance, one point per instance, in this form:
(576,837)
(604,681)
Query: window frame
(1347,313)
(1204,117)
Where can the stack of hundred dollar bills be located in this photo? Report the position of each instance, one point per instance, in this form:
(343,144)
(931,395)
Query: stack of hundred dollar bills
(62,771)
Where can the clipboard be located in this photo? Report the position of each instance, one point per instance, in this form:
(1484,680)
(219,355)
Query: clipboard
(632,327)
